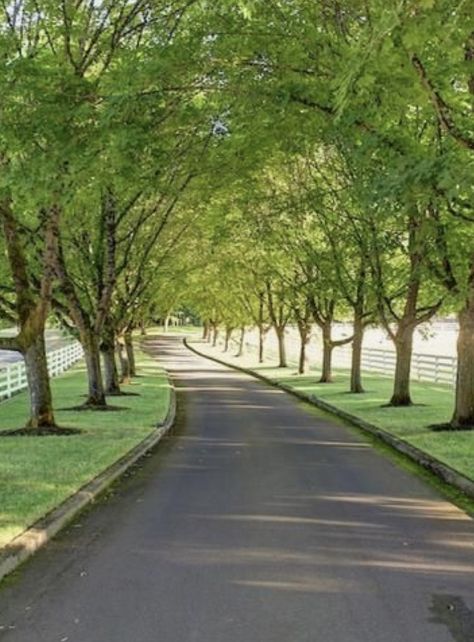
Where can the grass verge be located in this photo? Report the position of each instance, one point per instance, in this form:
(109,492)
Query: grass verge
(39,473)
(434,405)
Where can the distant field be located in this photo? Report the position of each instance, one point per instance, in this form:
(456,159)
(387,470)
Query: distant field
(431,338)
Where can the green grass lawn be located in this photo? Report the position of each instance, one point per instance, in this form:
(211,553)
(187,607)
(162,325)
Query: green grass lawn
(411,424)
(38,473)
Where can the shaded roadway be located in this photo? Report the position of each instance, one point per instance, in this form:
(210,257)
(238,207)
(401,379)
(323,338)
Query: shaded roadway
(258,520)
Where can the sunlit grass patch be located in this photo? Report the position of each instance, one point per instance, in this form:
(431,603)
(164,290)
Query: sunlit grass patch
(38,473)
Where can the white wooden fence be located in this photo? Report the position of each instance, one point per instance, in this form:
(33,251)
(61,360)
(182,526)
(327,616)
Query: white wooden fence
(425,367)
(13,376)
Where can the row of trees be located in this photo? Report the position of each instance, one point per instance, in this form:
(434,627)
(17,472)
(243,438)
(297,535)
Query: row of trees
(365,207)
(264,163)
(104,138)
(308,252)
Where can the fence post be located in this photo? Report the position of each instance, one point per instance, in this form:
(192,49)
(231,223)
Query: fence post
(58,361)
(9,381)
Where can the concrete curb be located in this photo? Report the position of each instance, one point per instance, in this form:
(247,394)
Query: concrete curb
(438,468)
(32,539)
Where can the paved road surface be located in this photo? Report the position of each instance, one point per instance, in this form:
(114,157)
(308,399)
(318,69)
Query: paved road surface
(257,521)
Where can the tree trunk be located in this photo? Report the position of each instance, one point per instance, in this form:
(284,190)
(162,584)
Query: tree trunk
(326,371)
(303,361)
(356,362)
(305,333)
(240,351)
(130,353)
(142,329)
(205,331)
(107,348)
(112,386)
(215,335)
(403,346)
(96,394)
(166,323)
(282,362)
(41,404)
(228,336)
(124,362)
(463,416)
(261,343)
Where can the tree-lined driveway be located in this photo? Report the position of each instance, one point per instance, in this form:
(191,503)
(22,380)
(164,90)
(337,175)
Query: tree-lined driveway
(258,520)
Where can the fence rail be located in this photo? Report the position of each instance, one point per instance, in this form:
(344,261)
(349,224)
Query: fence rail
(13,377)
(424,367)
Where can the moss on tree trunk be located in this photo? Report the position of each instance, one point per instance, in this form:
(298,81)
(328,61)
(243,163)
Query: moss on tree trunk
(463,416)
(401,384)
(96,393)
(130,353)
(41,403)
(356,360)
(326,369)
(282,360)
(111,378)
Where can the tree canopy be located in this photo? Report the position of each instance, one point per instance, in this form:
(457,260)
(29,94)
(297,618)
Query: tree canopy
(260,163)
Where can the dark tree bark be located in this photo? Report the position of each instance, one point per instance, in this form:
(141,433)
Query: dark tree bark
(463,416)
(96,393)
(282,360)
(107,348)
(303,365)
(413,314)
(124,362)
(262,328)
(356,361)
(323,315)
(261,344)
(228,337)
(404,348)
(41,403)
(240,351)
(326,368)
(205,331)
(215,335)
(111,377)
(303,321)
(279,316)
(142,328)
(90,319)
(128,339)
(30,310)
